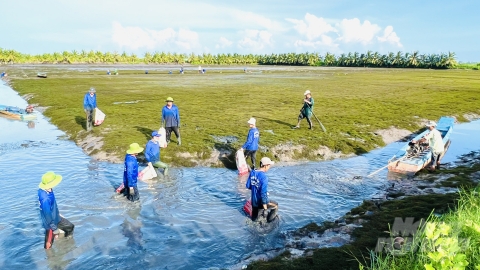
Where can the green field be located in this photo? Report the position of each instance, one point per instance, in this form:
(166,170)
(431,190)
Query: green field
(351,103)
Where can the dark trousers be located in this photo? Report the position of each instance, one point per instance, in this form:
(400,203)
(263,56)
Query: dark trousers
(304,115)
(131,196)
(63,225)
(435,159)
(89,116)
(168,131)
(252,154)
(272,211)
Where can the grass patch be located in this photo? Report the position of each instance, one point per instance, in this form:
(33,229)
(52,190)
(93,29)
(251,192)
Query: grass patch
(351,103)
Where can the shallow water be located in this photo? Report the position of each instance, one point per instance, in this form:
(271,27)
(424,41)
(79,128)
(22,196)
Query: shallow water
(190,220)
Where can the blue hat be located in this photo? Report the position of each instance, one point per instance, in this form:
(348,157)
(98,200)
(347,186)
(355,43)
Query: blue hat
(156,134)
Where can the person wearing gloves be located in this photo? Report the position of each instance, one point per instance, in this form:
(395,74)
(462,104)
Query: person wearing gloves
(307,110)
(152,153)
(130,172)
(251,145)
(435,142)
(257,182)
(52,221)
(171,120)
(89,105)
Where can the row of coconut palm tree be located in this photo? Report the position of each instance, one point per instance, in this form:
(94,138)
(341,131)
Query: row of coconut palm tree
(368,59)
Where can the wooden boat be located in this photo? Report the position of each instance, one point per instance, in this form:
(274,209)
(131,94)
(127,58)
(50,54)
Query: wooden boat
(16,113)
(411,158)
(42,75)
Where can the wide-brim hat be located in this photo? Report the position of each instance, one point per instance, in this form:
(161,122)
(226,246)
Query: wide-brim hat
(307,92)
(252,121)
(50,180)
(169,99)
(431,124)
(134,149)
(92,90)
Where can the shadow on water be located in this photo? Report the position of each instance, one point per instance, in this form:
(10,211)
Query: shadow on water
(82,121)
(276,121)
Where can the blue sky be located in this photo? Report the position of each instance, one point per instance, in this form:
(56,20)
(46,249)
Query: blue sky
(258,27)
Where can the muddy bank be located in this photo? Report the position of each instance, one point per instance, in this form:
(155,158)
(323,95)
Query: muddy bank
(425,191)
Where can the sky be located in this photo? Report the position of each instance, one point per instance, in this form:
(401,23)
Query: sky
(244,27)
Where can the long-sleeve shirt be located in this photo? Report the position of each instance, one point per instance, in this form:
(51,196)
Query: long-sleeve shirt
(308,108)
(258,182)
(171,116)
(130,171)
(435,141)
(89,102)
(152,151)
(48,209)
(252,139)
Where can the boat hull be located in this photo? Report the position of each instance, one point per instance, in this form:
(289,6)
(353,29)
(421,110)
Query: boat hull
(16,113)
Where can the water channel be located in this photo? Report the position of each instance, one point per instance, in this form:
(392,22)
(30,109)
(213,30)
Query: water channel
(191,220)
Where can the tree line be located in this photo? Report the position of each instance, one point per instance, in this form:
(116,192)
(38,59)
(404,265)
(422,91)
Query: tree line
(369,59)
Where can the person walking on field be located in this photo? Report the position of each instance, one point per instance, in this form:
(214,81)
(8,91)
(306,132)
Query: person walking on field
(257,182)
(52,221)
(307,110)
(89,105)
(171,120)
(130,172)
(435,142)
(251,145)
(152,153)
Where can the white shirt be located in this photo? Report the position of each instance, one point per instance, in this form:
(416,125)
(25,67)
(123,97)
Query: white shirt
(435,141)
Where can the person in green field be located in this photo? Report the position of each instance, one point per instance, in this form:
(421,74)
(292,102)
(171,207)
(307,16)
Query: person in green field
(307,110)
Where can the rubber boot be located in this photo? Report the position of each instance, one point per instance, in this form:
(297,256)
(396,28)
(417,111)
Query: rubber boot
(179,141)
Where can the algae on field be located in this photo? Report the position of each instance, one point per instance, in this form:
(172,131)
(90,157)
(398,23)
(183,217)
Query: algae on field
(351,103)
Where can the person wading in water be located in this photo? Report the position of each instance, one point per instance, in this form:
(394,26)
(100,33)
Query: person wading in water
(258,182)
(52,221)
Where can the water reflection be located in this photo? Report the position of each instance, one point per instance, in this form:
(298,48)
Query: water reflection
(189,220)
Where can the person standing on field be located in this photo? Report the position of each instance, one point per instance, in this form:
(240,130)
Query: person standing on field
(52,221)
(307,110)
(89,105)
(251,145)
(171,120)
(152,153)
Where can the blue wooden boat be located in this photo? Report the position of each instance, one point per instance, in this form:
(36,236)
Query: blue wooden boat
(411,158)
(17,113)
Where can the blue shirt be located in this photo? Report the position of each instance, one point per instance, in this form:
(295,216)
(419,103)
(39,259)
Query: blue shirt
(152,151)
(171,117)
(130,171)
(258,182)
(90,103)
(252,139)
(48,209)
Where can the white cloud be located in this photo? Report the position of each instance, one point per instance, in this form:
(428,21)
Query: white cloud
(135,38)
(255,40)
(390,37)
(353,31)
(223,43)
(313,26)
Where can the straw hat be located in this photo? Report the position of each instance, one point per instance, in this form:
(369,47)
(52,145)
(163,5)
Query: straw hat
(50,180)
(307,92)
(134,149)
